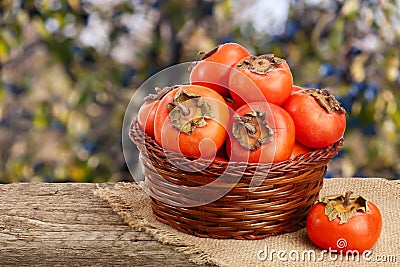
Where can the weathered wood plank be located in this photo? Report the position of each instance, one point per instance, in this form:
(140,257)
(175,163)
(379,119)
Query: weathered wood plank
(66,225)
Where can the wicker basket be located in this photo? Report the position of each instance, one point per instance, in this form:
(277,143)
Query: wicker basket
(278,205)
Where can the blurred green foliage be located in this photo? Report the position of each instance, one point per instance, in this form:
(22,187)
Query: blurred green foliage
(69,69)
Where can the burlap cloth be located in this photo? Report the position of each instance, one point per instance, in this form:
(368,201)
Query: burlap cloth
(133,205)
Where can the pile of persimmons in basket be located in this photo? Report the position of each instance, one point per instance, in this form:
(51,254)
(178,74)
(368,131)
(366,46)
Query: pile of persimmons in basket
(240,107)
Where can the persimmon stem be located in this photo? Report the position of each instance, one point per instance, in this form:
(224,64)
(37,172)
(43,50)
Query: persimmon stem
(185,111)
(346,201)
(203,55)
(252,129)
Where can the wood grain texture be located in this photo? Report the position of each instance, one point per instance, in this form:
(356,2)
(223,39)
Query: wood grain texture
(66,225)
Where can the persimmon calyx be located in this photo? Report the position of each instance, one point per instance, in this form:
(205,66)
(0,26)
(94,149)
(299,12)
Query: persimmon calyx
(326,100)
(203,55)
(252,131)
(260,64)
(189,111)
(344,206)
(160,93)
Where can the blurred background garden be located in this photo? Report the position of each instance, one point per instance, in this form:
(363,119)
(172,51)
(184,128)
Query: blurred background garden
(70,68)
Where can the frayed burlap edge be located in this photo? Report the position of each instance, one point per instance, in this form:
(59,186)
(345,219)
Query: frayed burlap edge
(112,194)
(133,205)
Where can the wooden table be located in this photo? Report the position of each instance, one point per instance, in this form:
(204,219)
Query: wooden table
(66,225)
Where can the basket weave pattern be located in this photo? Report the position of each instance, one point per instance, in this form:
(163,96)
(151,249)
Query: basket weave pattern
(279,204)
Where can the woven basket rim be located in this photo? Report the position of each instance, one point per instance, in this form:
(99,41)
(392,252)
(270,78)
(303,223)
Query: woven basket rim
(317,155)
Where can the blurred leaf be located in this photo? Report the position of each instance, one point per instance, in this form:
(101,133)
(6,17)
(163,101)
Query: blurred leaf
(4,50)
(336,37)
(351,9)
(40,28)
(75,5)
(78,172)
(358,68)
